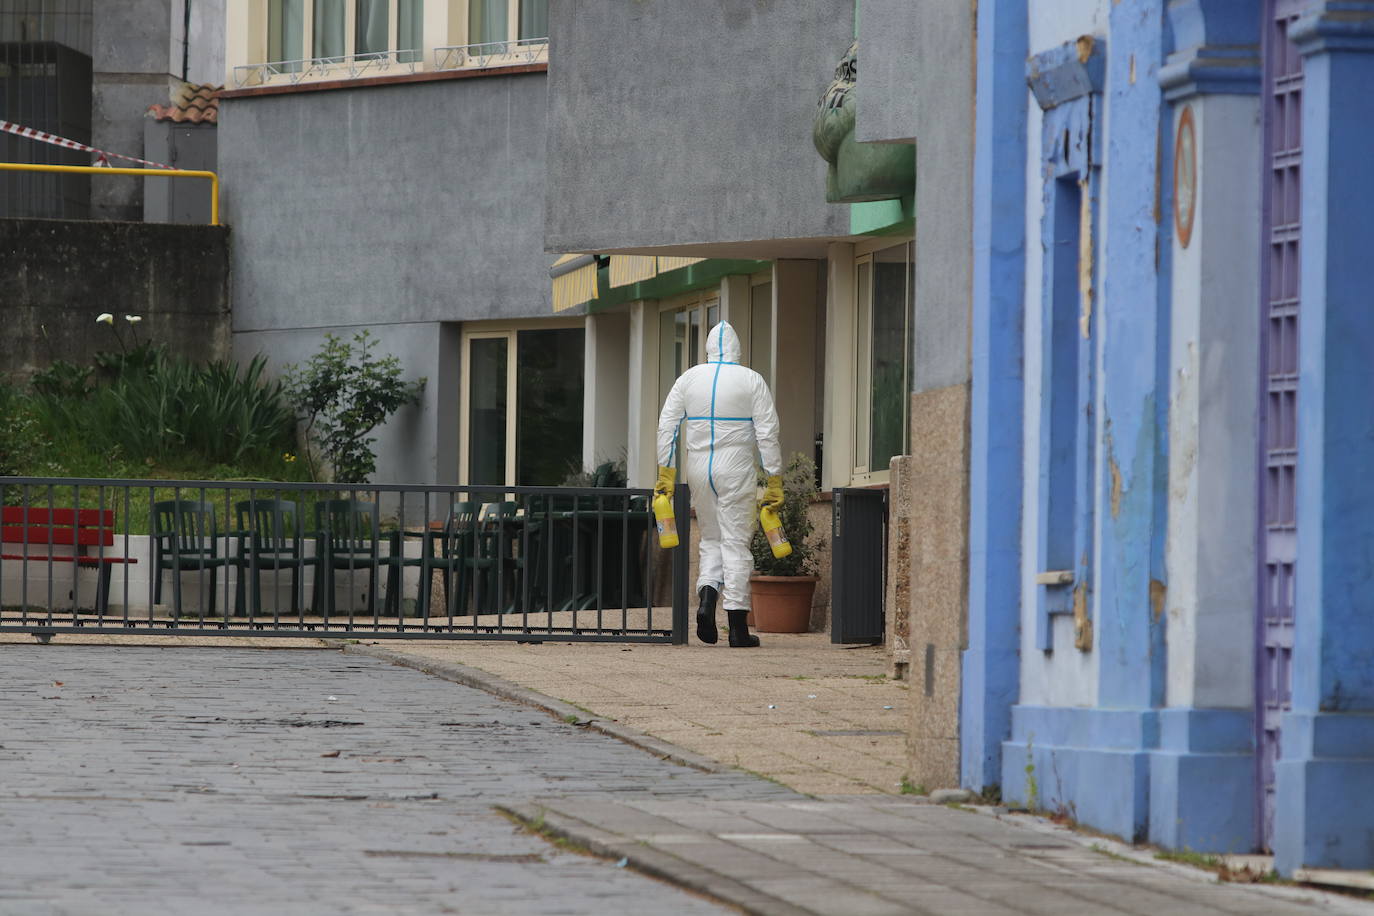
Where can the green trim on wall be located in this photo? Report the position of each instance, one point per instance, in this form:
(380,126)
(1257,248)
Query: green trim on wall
(674,282)
(883,217)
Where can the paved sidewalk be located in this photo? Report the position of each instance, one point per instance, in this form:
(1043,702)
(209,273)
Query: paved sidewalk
(825,721)
(816,717)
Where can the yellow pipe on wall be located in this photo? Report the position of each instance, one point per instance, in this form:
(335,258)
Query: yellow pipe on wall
(144,173)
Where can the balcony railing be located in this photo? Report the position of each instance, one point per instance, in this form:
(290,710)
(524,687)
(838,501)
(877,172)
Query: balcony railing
(393,62)
(492,54)
(348,66)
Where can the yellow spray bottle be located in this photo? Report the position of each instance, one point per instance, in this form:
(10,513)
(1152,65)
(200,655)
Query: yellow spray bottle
(772,529)
(667,524)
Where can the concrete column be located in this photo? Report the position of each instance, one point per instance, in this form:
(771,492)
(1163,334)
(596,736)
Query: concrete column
(1325,811)
(1202,775)
(991,664)
(794,354)
(605,402)
(734,308)
(642,403)
(839,363)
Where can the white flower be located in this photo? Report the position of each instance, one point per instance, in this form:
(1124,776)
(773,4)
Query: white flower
(133,319)
(105,318)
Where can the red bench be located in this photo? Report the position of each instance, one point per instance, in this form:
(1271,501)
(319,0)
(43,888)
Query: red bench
(87,531)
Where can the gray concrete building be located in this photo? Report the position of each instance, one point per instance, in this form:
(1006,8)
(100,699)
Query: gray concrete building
(398,188)
(87,72)
(847,273)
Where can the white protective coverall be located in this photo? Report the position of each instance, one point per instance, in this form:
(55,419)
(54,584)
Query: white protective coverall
(731,427)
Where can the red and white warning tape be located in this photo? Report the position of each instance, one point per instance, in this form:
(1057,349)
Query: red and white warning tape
(101,155)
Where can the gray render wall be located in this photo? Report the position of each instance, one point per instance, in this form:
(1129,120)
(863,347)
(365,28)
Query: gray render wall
(58,275)
(915,80)
(130,56)
(405,209)
(675,123)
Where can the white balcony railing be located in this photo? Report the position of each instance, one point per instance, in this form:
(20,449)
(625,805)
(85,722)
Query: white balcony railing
(348,66)
(492,54)
(393,62)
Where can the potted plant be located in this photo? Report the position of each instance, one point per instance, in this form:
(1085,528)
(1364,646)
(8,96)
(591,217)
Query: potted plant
(781,589)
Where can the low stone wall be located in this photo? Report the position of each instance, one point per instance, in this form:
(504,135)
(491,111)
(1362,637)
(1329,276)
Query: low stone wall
(58,275)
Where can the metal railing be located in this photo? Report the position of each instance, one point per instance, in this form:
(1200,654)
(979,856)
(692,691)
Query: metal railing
(239,558)
(141,173)
(491,53)
(347,66)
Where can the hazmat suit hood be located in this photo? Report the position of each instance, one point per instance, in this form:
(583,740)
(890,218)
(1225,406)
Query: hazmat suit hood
(723,344)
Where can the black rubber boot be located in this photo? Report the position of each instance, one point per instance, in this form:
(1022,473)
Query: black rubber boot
(706,615)
(739,630)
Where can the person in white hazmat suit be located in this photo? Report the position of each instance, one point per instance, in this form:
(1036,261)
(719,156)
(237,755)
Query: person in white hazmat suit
(729,428)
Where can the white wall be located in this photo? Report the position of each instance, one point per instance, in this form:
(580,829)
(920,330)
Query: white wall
(1213,417)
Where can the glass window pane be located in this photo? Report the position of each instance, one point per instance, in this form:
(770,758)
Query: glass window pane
(487,359)
(761,330)
(548,395)
(370,27)
(712,316)
(863,365)
(534,19)
(667,354)
(487,23)
(693,351)
(285,31)
(328,29)
(410,30)
(891,305)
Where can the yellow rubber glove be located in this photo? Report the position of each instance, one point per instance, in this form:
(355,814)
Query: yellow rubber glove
(666,477)
(772,494)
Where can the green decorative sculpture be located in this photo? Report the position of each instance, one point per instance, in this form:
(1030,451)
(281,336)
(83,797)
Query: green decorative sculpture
(858,171)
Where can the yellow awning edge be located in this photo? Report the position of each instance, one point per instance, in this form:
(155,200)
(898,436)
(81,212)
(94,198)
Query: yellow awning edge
(632,268)
(667,264)
(574,280)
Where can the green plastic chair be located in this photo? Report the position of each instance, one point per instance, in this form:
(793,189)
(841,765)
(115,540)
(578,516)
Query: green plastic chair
(270,537)
(455,545)
(186,538)
(347,538)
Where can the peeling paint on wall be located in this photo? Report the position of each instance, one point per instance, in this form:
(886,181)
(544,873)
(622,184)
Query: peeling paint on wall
(1085,257)
(1082,623)
(1159,593)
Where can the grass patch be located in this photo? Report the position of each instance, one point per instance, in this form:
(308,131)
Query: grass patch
(909,789)
(1218,866)
(541,829)
(1099,848)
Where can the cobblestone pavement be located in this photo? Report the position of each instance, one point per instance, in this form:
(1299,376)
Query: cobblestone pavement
(162,780)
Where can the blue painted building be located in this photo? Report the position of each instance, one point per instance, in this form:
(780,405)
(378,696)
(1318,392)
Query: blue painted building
(1171,597)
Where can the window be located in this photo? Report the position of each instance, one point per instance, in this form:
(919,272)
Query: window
(342,39)
(329,28)
(682,327)
(522,406)
(534,20)
(370,36)
(285,32)
(883,283)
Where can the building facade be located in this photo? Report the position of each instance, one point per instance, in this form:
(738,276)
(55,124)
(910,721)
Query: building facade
(1168,639)
(383,172)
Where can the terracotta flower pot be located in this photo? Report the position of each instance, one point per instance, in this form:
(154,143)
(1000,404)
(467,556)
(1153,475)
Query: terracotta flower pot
(782,604)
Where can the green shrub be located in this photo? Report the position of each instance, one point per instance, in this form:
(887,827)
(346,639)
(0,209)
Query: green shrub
(342,394)
(171,410)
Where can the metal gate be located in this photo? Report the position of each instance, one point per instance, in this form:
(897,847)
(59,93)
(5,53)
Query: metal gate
(216,558)
(1279,286)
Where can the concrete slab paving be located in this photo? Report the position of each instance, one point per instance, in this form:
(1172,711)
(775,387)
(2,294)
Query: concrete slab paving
(857,846)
